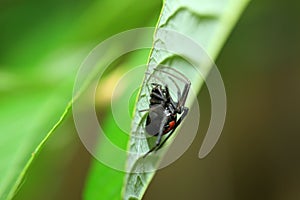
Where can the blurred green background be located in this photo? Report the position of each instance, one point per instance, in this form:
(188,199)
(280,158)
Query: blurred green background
(258,154)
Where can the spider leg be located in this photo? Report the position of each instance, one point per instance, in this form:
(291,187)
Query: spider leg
(144,110)
(168,96)
(159,136)
(155,77)
(177,87)
(182,100)
(185,111)
(159,96)
(183,78)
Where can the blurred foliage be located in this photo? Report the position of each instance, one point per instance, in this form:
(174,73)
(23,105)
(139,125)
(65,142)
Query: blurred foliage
(42,46)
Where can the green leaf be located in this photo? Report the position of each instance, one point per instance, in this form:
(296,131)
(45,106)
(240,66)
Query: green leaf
(104,182)
(206,22)
(27,118)
(38,68)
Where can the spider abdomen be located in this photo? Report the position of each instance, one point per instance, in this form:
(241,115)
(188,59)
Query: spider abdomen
(155,118)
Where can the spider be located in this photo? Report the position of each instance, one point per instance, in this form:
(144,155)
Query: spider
(163,110)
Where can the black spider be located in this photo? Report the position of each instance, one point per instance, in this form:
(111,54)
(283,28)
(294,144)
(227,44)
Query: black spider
(163,110)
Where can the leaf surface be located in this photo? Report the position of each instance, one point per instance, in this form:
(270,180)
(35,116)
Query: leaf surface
(208,24)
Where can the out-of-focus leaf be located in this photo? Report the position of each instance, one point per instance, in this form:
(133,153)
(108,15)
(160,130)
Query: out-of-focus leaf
(27,115)
(42,48)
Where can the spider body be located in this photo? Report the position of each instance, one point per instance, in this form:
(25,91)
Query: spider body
(160,109)
(163,110)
